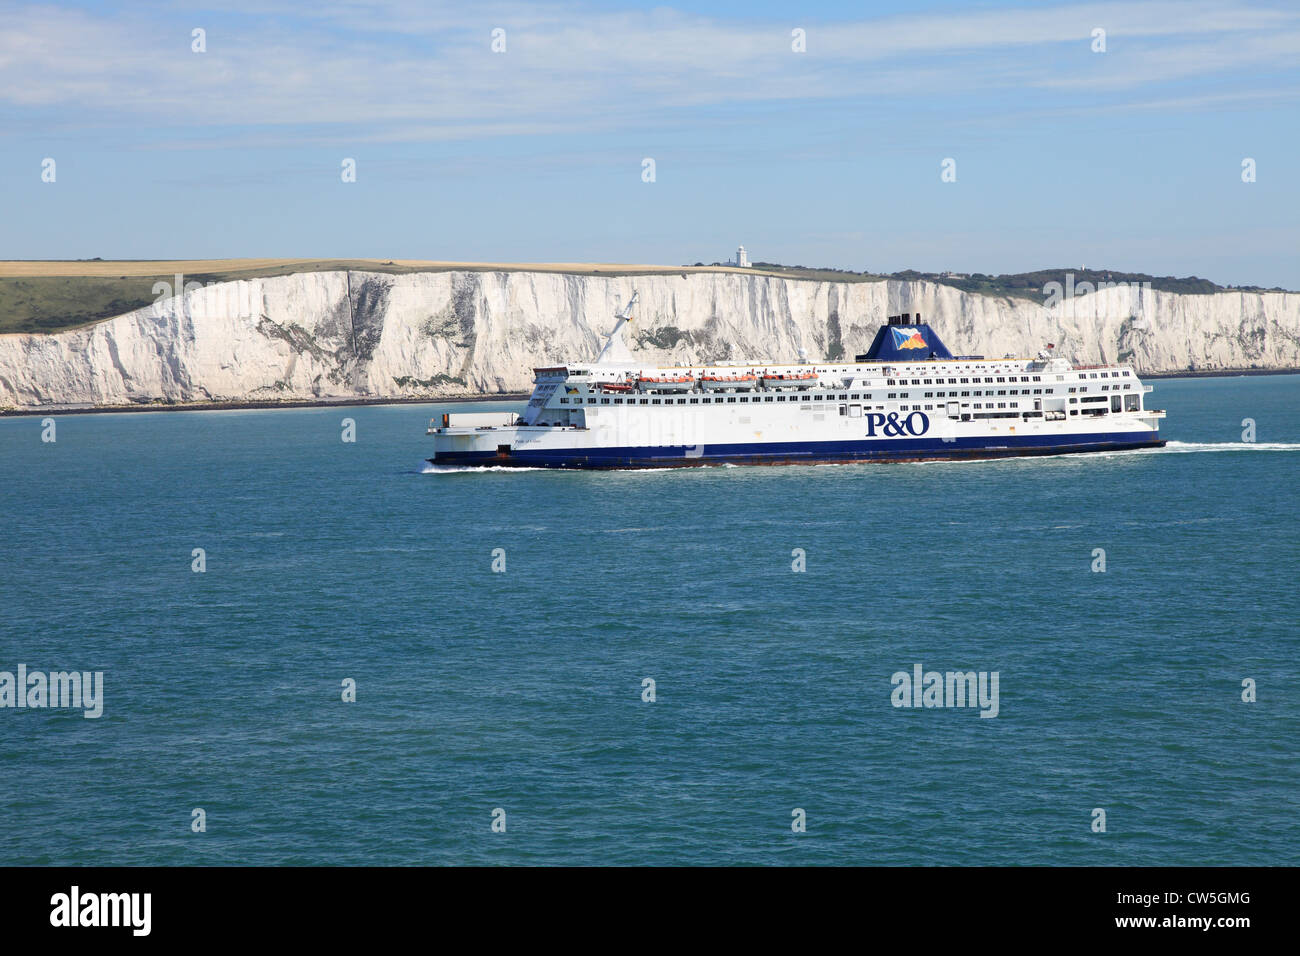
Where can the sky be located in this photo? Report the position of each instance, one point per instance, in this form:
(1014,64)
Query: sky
(1062,153)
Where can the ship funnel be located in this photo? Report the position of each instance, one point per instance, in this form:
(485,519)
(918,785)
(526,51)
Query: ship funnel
(902,340)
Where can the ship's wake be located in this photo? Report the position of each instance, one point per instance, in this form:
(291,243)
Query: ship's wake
(1177,447)
(1189,447)
(430,469)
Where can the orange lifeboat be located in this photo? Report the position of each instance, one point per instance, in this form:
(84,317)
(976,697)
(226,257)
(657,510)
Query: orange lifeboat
(740,381)
(790,379)
(666,383)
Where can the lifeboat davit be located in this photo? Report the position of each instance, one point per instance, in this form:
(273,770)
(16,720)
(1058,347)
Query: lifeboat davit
(615,386)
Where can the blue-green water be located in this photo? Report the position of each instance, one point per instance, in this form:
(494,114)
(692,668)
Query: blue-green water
(522,690)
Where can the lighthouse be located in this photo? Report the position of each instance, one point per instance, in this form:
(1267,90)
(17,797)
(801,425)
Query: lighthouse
(742,259)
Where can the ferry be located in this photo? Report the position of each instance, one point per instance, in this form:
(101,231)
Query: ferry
(908,398)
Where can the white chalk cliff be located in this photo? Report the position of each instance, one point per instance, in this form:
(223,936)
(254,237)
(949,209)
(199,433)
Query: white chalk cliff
(363,334)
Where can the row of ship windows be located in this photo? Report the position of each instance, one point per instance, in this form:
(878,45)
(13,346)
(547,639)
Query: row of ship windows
(965,381)
(977,393)
(999,378)
(854,411)
(1131,402)
(992,380)
(1001,391)
(795,398)
(1009,378)
(792,398)
(818,398)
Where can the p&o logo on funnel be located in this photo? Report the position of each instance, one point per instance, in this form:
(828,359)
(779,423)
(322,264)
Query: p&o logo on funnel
(908,339)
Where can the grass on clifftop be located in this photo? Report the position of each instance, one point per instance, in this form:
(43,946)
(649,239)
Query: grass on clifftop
(51,296)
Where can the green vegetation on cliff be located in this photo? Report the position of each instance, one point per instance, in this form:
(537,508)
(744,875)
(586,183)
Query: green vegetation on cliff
(50,297)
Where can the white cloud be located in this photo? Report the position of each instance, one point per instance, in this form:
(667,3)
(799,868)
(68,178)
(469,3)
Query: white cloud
(408,71)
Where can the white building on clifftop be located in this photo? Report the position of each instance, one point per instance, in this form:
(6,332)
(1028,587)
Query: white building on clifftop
(742,259)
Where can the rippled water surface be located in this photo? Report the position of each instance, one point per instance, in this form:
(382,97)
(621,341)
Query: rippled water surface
(522,690)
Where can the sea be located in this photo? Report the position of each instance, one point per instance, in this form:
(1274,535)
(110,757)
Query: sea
(316,650)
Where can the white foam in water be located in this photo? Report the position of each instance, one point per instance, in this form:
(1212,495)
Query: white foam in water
(1186,446)
(431,469)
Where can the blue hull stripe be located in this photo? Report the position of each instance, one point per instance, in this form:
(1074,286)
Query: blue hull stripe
(795,453)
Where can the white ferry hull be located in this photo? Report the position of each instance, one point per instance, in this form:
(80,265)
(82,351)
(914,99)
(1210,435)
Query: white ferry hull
(686,443)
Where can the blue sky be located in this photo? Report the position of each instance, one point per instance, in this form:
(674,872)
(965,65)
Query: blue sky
(1128,159)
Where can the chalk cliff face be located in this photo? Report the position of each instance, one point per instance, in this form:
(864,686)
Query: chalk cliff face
(360,334)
